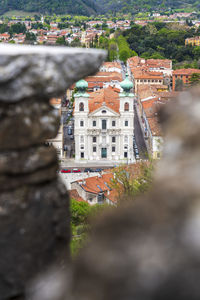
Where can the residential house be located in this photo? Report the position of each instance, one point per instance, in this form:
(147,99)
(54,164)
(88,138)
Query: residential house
(96,190)
(194,41)
(183,75)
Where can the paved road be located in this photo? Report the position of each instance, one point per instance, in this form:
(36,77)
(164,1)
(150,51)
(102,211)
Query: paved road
(139,138)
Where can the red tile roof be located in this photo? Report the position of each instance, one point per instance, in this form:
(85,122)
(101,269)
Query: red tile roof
(185,71)
(97,184)
(155,126)
(144,74)
(108,96)
(137,61)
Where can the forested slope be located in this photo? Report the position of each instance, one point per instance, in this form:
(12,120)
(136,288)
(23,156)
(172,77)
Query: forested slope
(77,7)
(142,5)
(89,7)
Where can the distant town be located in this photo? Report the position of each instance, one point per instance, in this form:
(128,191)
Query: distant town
(111,119)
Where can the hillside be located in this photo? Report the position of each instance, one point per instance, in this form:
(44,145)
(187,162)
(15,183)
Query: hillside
(77,7)
(89,7)
(143,5)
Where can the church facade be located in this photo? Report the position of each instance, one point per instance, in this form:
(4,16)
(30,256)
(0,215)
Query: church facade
(104,124)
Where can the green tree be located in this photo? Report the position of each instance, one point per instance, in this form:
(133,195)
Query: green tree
(80,212)
(75,43)
(194,79)
(196,52)
(30,38)
(61,41)
(124,55)
(128,185)
(179,84)
(113,51)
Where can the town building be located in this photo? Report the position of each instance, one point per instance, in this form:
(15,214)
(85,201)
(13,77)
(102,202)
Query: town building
(141,77)
(182,75)
(151,127)
(194,41)
(163,66)
(95,190)
(149,100)
(57,142)
(104,124)
(113,66)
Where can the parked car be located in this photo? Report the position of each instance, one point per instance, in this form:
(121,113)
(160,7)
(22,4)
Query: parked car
(76,170)
(88,170)
(69,131)
(65,171)
(98,170)
(137,156)
(136,152)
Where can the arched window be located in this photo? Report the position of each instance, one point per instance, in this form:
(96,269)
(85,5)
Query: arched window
(126,106)
(81,106)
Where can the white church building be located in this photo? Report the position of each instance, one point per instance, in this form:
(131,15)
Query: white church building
(104,124)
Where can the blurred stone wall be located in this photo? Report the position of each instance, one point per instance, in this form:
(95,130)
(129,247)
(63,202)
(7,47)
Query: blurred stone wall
(149,248)
(34,204)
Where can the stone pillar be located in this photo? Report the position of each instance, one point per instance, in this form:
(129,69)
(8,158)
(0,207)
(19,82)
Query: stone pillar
(34,205)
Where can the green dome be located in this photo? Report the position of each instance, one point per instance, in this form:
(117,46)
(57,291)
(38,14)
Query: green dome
(126,84)
(82,85)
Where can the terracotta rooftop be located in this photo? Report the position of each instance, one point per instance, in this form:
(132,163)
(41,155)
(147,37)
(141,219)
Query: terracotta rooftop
(145,91)
(185,71)
(159,63)
(105,77)
(168,94)
(137,61)
(97,184)
(143,74)
(155,126)
(108,97)
(113,64)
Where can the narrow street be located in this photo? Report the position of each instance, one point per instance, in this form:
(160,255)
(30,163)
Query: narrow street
(139,137)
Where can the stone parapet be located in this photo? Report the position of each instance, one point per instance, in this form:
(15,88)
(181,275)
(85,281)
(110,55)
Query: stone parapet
(34,205)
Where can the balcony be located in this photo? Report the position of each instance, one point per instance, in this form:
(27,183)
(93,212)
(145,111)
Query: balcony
(94,131)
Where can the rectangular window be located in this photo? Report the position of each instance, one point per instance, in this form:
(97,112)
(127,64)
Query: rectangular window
(94,149)
(113,123)
(94,123)
(82,139)
(126,123)
(104,124)
(113,149)
(94,139)
(125,154)
(82,154)
(81,123)
(113,139)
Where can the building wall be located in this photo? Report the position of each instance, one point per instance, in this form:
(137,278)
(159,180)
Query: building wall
(184,78)
(138,82)
(123,133)
(157,147)
(91,198)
